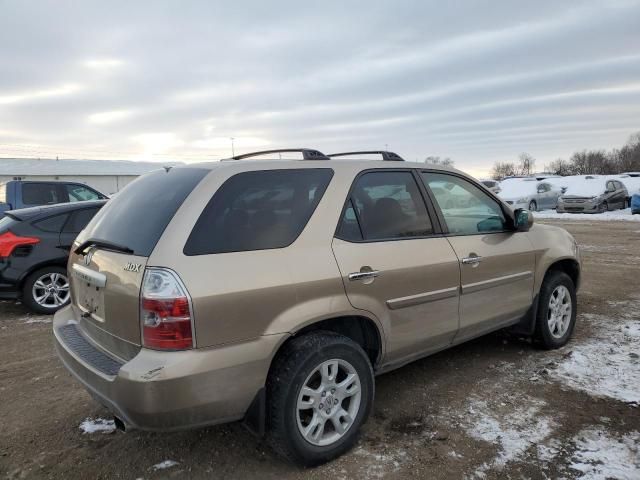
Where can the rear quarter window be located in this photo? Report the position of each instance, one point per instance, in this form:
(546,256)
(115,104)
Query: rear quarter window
(51,224)
(258,210)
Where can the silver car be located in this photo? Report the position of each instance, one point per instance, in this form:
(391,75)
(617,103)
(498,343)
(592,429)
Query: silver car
(530,194)
(597,198)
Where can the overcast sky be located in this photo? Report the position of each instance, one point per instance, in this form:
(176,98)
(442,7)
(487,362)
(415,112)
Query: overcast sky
(475,81)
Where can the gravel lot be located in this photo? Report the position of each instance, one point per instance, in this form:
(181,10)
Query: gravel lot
(494,408)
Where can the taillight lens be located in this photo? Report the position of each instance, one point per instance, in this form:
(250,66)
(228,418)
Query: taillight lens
(9,241)
(164,311)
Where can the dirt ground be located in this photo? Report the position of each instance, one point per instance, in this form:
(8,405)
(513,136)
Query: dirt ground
(493,408)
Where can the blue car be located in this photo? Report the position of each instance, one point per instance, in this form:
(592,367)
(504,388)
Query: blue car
(635,203)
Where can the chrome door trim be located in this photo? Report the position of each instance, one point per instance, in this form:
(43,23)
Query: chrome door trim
(495,282)
(364,275)
(419,298)
(90,276)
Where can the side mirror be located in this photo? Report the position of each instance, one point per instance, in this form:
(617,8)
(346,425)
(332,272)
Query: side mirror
(523,220)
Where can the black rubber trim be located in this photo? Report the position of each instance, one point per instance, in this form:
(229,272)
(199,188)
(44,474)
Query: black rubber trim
(82,348)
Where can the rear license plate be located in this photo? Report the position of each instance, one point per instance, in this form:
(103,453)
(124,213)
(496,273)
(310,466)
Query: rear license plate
(89,291)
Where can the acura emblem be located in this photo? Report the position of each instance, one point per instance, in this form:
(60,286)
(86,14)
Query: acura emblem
(88,257)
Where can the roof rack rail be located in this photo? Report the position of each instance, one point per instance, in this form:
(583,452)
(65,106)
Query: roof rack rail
(387,156)
(307,153)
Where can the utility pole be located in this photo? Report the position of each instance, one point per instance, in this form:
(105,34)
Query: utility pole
(233,153)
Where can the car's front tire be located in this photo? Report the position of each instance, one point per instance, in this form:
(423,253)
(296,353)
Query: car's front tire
(533,206)
(319,392)
(556,316)
(46,290)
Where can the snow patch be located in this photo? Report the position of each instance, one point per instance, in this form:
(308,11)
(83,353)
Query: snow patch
(599,456)
(608,365)
(512,432)
(30,320)
(165,464)
(382,463)
(616,215)
(97,425)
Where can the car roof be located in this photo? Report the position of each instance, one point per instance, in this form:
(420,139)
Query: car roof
(335,164)
(46,210)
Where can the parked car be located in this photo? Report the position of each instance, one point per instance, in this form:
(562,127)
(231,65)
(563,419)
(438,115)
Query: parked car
(635,204)
(492,185)
(595,195)
(34,248)
(275,290)
(17,194)
(530,194)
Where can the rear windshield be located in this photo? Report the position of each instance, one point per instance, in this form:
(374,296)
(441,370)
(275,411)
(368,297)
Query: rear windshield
(137,215)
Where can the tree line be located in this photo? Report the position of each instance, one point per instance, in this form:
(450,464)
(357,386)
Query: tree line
(585,162)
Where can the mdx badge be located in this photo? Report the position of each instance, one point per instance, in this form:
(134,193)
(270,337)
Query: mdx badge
(132,267)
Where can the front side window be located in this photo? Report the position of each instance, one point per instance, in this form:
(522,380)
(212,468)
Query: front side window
(258,210)
(40,194)
(78,193)
(388,205)
(466,209)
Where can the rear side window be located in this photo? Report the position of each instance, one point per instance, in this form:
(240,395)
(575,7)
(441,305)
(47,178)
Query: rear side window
(258,210)
(388,205)
(41,194)
(51,224)
(137,216)
(79,219)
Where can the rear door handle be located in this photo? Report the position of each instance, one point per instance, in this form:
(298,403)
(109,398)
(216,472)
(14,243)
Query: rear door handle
(364,275)
(472,260)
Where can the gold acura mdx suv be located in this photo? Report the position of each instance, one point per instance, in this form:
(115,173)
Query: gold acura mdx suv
(275,290)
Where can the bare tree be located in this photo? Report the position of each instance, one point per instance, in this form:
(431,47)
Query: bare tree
(526,164)
(446,161)
(501,170)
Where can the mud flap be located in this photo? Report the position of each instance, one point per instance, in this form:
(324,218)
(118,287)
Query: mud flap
(527,324)
(255,417)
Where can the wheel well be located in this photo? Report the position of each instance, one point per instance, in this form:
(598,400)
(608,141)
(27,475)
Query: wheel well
(568,266)
(361,330)
(55,263)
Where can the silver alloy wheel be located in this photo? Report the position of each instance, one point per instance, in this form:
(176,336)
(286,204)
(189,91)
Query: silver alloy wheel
(328,402)
(559,313)
(51,290)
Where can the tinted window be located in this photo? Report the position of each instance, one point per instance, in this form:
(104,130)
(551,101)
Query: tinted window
(389,205)
(40,194)
(137,216)
(78,193)
(51,224)
(79,219)
(467,210)
(258,210)
(349,228)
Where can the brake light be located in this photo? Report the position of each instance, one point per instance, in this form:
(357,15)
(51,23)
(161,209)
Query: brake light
(9,241)
(165,312)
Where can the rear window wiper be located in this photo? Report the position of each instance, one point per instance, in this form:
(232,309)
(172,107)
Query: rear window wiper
(101,244)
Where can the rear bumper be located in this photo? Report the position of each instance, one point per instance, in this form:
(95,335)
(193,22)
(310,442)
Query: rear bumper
(163,391)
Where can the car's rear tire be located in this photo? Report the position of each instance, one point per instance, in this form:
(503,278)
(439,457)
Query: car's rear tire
(556,316)
(533,206)
(321,383)
(46,290)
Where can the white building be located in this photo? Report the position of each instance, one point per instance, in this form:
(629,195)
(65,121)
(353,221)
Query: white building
(106,176)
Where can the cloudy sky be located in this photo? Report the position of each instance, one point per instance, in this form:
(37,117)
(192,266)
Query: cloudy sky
(476,81)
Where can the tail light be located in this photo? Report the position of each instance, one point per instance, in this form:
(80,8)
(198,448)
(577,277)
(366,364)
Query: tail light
(9,242)
(165,311)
